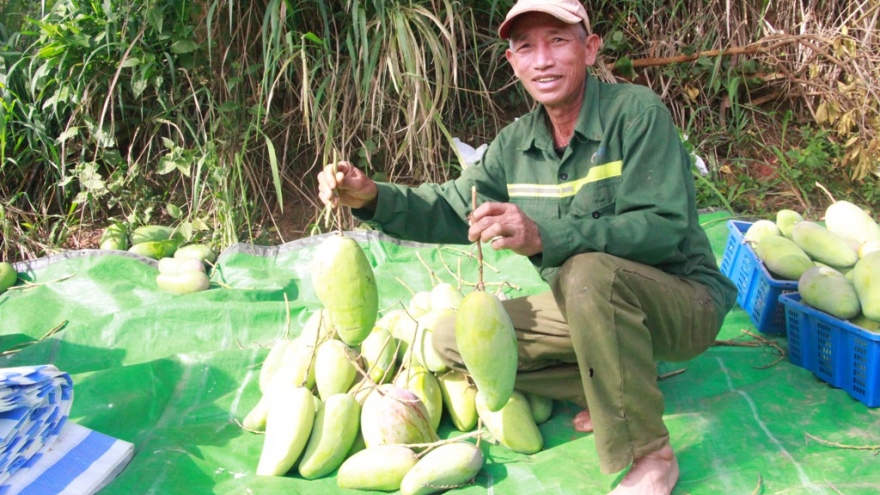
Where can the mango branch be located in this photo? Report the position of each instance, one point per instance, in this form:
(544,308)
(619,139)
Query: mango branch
(480,285)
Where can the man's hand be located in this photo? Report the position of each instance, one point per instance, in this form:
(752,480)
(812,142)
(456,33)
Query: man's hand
(348,187)
(507,227)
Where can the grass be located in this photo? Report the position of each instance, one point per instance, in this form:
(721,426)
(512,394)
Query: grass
(215,115)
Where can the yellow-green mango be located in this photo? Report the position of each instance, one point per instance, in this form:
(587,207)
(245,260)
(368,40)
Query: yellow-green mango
(288,426)
(541,407)
(318,328)
(177,265)
(823,245)
(202,252)
(152,233)
(487,343)
(447,466)
(114,237)
(422,346)
(760,229)
(866,280)
(183,282)
(782,257)
(297,365)
(334,368)
(828,290)
(155,249)
(866,323)
(869,247)
(394,415)
(8,276)
(786,220)
(273,361)
(255,420)
(848,220)
(346,285)
(513,425)
(382,468)
(460,399)
(423,383)
(419,304)
(379,351)
(445,296)
(333,433)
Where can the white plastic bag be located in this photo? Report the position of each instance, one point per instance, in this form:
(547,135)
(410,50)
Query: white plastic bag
(468,153)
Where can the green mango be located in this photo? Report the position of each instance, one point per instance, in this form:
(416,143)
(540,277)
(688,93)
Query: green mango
(447,466)
(201,252)
(379,351)
(786,220)
(460,399)
(423,383)
(513,425)
(761,229)
(828,290)
(848,220)
(155,249)
(288,426)
(866,280)
(783,257)
(541,407)
(151,233)
(114,237)
(487,343)
(381,467)
(823,245)
(333,433)
(334,368)
(8,276)
(346,285)
(394,415)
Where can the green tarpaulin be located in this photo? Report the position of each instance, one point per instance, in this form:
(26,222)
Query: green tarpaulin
(174,375)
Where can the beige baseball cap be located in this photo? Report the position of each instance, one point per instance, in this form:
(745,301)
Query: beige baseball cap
(569,11)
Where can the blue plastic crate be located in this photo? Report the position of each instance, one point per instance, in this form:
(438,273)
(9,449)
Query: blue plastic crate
(757,291)
(840,353)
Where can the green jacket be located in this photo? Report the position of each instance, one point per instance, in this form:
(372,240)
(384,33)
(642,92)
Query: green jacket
(623,186)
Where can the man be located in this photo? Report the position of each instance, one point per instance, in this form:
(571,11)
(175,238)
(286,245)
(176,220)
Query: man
(595,188)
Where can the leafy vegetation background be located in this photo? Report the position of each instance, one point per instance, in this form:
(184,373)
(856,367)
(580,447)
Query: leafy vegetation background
(215,115)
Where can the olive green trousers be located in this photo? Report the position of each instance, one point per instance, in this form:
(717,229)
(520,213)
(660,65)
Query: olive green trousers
(595,340)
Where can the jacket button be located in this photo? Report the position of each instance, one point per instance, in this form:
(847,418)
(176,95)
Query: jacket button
(596,214)
(563,176)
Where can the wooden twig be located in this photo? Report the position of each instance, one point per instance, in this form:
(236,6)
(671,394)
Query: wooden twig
(760,488)
(841,445)
(761,342)
(22,345)
(480,285)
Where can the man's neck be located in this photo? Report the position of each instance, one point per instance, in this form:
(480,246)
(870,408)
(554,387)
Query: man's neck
(564,120)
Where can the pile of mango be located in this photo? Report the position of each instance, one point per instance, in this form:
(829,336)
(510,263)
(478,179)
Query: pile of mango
(363,395)
(836,264)
(183,268)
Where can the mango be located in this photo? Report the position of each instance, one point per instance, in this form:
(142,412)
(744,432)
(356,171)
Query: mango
(318,328)
(382,467)
(255,420)
(783,257)
(760,229)
(394,415)
(447,466)
(487,343)
(202,252)
(541,407)
(346,285)
(389,320)
(823,245)
(379,351)
(288,426)
(445,296)
(513,425)
(297,364)
(273,361)
(114,237)
(177,265)
(335,429)
(868,247)
(848,220)
(334,368)
(866,280)
(8,276)
(183,282)
(828,290)
(866,323)
(153,233)
(422,345)
(419,304)
(460,399)
(155,249)
(423,383)
(786,220)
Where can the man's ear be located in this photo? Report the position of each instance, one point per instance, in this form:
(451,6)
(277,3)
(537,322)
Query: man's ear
(593,43)
(509,55)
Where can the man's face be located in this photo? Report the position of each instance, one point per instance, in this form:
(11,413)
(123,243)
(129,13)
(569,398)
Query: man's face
(550,58)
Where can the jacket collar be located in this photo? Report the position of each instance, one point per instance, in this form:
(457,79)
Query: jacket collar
(588,127)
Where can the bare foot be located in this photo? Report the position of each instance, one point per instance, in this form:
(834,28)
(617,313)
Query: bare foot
(653,474)
(583,422)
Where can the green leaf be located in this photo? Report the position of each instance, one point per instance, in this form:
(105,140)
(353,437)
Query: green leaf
(173,210)
(184,46)
(130,62)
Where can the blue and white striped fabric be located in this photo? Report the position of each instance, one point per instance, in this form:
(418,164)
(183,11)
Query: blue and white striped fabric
(34,405)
